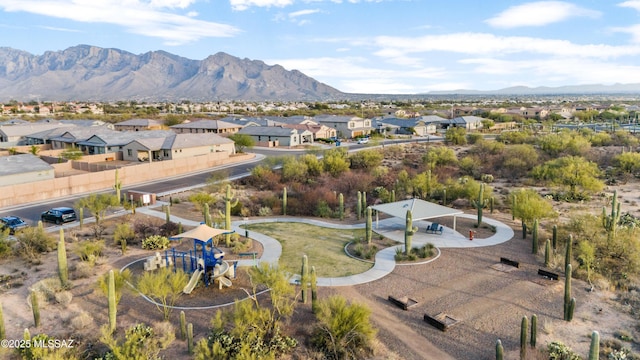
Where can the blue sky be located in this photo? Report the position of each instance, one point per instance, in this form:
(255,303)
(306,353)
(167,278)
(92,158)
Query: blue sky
(364,46)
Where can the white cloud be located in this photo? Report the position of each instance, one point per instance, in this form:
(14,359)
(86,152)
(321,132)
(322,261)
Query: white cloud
(136,17)
(633,30)
(180,4)
(539,13)
(485,44)
(634,4)
(240,5)
(303,12)
(59,29)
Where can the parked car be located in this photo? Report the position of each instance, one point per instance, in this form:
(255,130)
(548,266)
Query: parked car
(59,215)
(13,223)
(363,140)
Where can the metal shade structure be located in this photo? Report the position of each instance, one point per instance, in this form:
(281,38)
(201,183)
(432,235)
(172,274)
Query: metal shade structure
(202,232)
(420,210)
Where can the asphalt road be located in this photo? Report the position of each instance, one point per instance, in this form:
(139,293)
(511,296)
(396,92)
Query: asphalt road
(31,212)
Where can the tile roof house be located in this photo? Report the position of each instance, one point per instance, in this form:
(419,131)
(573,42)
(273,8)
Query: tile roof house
(270,136)
(175,146)
(346,126)
(466,122)
(206,126)
(318,131)
(406,126)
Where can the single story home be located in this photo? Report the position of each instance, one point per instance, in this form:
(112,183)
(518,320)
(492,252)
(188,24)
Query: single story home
(175,146)
(24,168)
(277,136)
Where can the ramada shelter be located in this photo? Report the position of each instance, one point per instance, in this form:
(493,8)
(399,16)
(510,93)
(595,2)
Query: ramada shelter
(420,210)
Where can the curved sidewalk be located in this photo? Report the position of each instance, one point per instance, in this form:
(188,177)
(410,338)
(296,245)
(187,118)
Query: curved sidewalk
(392,228)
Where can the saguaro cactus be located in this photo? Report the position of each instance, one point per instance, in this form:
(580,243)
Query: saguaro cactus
(183,326)
(594,349)
(492,204)
(572,307)
(514,201)
(207,214)
(567,291)
(534,330)
(524,230)
(314,290)
(480,203)
(534,237)
(35,307)
(359,205)
(304,278)
(364,203)
(111,295)
(408,233)
(284,201)
(190,338)
(227,211)
(63,272)
(368,230)
(393,195)
(341,206)
(523,337)
(547,253)
(81,216)
(117,186)
(567,253)
(499,350)
(167,213)
(610,222)
(554,243)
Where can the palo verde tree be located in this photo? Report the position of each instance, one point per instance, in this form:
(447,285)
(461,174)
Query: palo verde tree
(528,205)
(164,287)
(578,176)
(242,141)
(98,205)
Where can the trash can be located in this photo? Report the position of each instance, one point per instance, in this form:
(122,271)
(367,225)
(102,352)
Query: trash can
(471,233)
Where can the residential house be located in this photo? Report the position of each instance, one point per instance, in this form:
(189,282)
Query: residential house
(175,146)
(277,136)
(346,126)
(24,168)
(138,125)
(16,134)
(108,142)
(202,126)
(405,126)
(318,131)
(466,122)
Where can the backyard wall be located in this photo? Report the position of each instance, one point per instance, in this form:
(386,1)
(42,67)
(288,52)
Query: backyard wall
(104,180)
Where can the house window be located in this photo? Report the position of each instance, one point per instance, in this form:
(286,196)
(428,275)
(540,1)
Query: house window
(129,152)
(351,125)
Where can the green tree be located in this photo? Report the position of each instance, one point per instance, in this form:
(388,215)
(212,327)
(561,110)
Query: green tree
(122,278)
(627,162)
(141,342)
(199,199)
(294,170)
(517,160)
(529,206)
(335,161)
(344,331)
(455,136)
(574,173)
(164,287)
(71,154)
(439,156)
(242,141)
(366,159)
(123,232)
(314,166)
(98,204)
(31,242)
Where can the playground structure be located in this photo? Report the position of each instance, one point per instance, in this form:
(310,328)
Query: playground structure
(205,260)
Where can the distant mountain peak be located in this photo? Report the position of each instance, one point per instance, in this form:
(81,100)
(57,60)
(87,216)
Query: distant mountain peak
(86,72)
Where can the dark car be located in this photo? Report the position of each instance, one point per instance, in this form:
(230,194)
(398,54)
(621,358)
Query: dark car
(13,223)
(59,215)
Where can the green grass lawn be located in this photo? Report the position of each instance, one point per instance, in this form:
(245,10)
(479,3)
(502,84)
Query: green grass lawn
(323,246)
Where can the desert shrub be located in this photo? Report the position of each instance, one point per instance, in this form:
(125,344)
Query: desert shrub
(140,342)
(365,251)
(201,198)
(560,351)
(365,159)
(125,232)
(63,298)
(155,242)
(265,211)
(323,210)
(470,165)
(515,137)
(263,178)
(294,170)
(146,227)
(44,352)
(456,136)
(83,270)
(121,278)
(47,288)
(32,242)
(240,244)
(439,156)
(169,229)
(425,251)
(82,321)
(89,250)
(474,138)
(5,243)
(344,330)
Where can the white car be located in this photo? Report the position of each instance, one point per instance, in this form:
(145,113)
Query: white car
(363,140)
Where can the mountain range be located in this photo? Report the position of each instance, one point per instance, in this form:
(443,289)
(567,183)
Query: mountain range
(90,73)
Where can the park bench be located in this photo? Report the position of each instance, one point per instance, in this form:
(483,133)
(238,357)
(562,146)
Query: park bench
(548,274)
(509,262)
(434,228)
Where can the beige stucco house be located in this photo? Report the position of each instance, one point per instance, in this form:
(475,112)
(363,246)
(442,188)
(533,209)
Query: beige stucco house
(176,146)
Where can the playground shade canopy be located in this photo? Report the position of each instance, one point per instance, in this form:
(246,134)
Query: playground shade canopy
(420,209)
(201,232)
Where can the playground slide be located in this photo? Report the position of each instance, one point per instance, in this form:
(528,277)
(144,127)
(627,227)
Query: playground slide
(224,281)
(193,281)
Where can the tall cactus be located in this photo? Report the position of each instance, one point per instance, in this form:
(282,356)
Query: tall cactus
(514,202)
(341,206)
(554,243)
(359,205)
(363,208)
(368,230)
(594,349)
(567,291)
(3,331)
(393,195)
(408,233)
(207,214)
(284,201)
(610,221)
(428,173)
(524,230)
(183,325)
(571,309)
(492,204)
(444,197)
(534,237)
(111,296)
(81,216)
(567,253)
(117,186)
(63,271)
(480,203)
(534,330)
(227,212)
(524,325)
(499,350)
(547,253)
(35,307)
(167,213)
(304,278)
(190,338)
(314,290)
